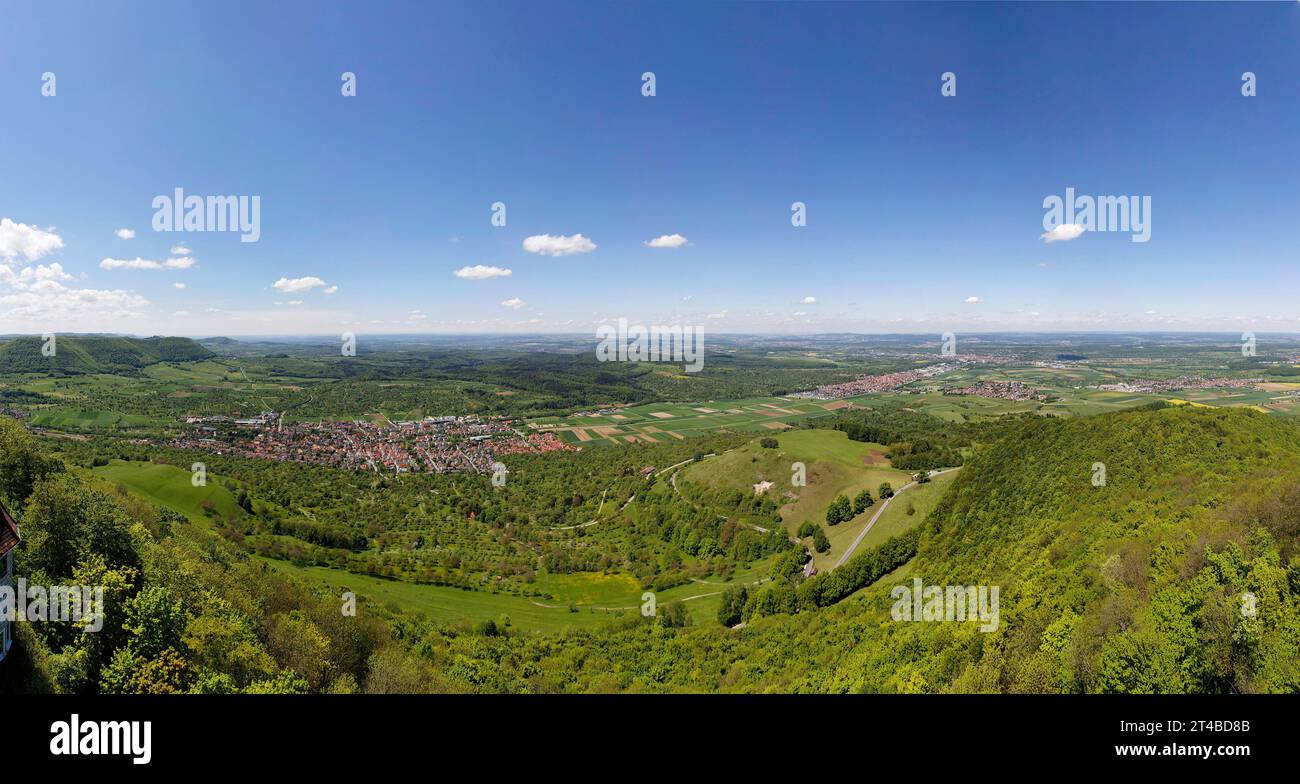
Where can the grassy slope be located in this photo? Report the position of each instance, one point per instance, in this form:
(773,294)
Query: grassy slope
(172,487)
(922,499)
(834,465)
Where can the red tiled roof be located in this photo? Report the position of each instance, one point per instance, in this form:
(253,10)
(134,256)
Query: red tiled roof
(8,532)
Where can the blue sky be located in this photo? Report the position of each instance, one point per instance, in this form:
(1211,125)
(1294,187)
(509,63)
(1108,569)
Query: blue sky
(916,202)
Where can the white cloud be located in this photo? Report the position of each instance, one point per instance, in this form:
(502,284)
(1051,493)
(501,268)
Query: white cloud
(181,250)
(972,300)
(719,315)
(417,315)
(19,239)
(295,285)
(514,303)
(178,285)
(482,272)
(33,277)
(181,313)
(1062,233)
(38,297)
(126,234)
(665,241)
(294,302)
(331,290)
(135,264)
(801,313)
(810,300)
(145,264)
(547,245)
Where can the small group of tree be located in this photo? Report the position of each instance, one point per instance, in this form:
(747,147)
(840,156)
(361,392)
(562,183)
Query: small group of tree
(921,477)
(733,605)
(886,490)
(673,615)
(768,443)
(839,511)
(862,502)
(818,534)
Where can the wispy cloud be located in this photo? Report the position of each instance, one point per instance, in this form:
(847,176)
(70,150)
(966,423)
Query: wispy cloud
(126,234)
(133,264)
(482,272)
(146,264)
(514,303)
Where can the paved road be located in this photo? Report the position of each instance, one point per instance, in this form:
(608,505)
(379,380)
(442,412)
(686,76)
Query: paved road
(883,506)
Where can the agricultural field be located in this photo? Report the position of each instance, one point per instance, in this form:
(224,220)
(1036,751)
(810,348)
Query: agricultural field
(79,419)
(657,422)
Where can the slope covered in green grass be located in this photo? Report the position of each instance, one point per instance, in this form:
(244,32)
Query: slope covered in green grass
(173,488)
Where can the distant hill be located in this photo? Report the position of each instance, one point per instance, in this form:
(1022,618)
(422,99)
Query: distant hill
(76,354)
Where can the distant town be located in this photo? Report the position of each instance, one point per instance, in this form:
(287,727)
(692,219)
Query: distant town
(1166,386)
(430,445)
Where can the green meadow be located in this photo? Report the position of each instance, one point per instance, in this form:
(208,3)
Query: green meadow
(173,488)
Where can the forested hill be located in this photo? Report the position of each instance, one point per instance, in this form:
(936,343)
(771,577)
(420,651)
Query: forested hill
(94,353)
(1132,586)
